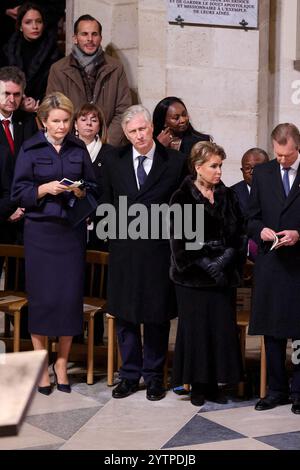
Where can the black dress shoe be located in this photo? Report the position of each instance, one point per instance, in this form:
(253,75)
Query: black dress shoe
(270,402)
(197,398)
(125,388)
(47,390)
(216,395)
(155,390)
(296,406)
(197,394)
(61,387)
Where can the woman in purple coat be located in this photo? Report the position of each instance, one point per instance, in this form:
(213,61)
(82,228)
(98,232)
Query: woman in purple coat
(54,249)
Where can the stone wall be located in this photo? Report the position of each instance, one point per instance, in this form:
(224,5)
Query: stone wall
(222,74)
(284,89)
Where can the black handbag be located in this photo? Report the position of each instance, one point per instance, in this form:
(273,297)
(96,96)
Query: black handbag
(81,209)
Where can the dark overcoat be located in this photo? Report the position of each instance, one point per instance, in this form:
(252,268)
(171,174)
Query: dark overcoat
(139,287)
(44,52)
(24,126)
(276,298)
(243,195)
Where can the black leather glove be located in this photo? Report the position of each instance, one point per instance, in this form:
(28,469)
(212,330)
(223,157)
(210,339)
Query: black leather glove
(215,266)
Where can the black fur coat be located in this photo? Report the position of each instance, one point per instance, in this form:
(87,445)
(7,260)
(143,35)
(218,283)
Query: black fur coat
(223,223)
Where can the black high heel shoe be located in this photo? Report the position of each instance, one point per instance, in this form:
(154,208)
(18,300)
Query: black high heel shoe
(61,387)
(47,390)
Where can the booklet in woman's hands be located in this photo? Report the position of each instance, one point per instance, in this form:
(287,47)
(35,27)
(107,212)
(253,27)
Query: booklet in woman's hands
(71,184)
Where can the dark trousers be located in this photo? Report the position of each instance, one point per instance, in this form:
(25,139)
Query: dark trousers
(138,361)
(277,375)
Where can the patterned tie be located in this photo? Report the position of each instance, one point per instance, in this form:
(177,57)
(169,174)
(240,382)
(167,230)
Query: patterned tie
(10,140)
(141,174)
(286,181)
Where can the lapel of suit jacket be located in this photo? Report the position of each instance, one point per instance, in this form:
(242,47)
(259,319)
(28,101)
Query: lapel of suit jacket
(18,134)
(159,165)
(275,184)
(126,169)
(3,138)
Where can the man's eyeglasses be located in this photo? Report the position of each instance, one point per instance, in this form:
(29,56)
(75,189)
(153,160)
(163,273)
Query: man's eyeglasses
(247,169)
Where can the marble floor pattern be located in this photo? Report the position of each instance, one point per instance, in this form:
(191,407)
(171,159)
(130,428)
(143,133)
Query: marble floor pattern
(90,419)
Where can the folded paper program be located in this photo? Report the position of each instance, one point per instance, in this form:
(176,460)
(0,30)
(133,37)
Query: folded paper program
(71,184)
(276,242)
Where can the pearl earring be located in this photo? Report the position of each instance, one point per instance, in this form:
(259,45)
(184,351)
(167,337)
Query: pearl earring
(76,132)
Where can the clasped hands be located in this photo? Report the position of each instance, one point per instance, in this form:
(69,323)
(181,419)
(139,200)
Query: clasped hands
(55,188)
(287,237)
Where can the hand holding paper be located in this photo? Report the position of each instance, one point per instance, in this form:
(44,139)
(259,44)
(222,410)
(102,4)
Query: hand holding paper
(70,185)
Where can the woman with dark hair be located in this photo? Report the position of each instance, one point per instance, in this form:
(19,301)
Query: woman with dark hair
(172,126)
(33,48)
(90,126)
(207,347)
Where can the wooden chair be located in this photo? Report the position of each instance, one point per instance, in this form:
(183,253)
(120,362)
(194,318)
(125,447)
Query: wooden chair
(12,299)
(113,357)
(95,302)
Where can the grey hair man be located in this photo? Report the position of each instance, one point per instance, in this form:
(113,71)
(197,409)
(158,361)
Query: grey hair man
(139,287)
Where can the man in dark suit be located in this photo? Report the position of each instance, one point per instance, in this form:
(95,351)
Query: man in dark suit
(15,127)
(139,288)
(274,210)
(251,158)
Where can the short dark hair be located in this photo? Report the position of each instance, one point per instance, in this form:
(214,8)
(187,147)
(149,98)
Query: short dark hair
(13,74)
(86,18)
(284,131)
(257,152)
(23,9)
(88,108)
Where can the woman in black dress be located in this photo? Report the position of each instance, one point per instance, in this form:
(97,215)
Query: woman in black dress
(207,347)
(172,126)
(90,126)
(33,48)
(54,249)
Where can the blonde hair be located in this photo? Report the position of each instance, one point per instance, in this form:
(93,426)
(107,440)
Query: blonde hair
(201,153)
(52,101)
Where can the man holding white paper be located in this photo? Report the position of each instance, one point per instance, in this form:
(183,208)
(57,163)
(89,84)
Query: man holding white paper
(274,213)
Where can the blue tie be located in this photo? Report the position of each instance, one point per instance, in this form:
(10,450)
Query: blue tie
(141,174)
(286,181)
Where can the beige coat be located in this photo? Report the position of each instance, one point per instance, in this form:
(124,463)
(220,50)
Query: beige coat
(111,92)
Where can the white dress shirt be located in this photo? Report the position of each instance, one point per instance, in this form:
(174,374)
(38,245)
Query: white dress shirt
(11,128)
(293,171)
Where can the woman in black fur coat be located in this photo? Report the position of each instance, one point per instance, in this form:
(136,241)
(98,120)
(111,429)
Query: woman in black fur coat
(207,347)
(33,48)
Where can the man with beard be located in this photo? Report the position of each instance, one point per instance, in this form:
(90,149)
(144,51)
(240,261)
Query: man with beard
(90,75)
